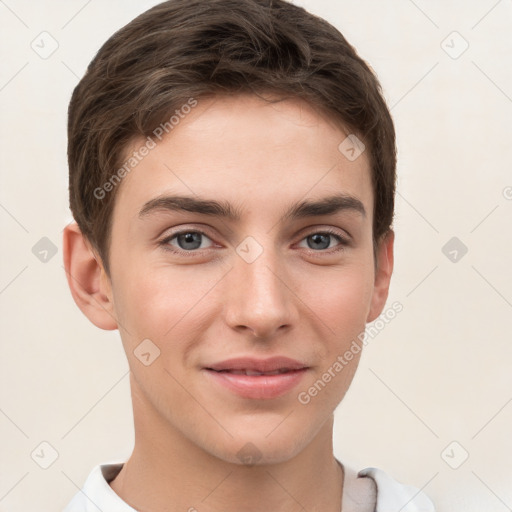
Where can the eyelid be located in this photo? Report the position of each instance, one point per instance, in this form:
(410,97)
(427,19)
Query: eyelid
(342,236)
(344,240)
(165,241)
(311,230)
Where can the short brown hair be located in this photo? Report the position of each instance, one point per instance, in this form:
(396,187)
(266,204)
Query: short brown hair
(183,49)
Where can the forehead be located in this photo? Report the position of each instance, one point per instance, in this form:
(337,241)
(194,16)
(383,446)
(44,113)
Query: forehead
(245,150)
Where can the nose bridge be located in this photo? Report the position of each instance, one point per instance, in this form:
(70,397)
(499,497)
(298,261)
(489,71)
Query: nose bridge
(258,296)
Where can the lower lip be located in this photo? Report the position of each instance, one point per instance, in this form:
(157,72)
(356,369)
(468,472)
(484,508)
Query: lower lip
(258,387)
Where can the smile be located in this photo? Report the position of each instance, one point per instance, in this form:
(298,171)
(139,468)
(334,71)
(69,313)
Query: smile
(256,379)
(255,373)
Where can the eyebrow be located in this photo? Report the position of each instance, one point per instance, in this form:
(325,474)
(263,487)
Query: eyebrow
(309,208)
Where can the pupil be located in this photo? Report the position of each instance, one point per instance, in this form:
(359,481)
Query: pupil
(318,239)
(189,238)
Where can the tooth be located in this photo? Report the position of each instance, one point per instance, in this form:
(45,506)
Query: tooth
(254,373)
(251,372)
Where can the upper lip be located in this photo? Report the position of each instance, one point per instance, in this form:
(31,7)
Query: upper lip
(258,365)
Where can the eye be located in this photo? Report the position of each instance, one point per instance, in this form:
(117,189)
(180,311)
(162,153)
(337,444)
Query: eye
(190,242)
(185,241)
(321,240)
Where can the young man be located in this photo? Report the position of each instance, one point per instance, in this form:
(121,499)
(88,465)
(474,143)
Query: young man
(232,177)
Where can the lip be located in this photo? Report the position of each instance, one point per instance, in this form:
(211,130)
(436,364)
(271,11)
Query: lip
(257,387)
(258,365)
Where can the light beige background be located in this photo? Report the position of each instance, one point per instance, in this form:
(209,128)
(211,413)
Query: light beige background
(439,372)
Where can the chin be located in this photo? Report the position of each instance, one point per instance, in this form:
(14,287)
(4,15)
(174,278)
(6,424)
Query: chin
(257,448)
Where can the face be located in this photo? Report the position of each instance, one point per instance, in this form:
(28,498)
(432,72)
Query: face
(245,294)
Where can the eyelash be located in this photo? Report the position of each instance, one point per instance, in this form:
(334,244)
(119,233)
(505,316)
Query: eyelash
(343,242)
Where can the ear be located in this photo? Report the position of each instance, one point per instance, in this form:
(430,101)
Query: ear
(382,275)
(89,284)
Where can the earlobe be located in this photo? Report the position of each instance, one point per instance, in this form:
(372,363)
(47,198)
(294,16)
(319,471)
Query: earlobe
(89,285)
(382,275)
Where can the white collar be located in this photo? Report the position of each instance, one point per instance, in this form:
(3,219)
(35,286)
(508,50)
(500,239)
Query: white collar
(361,492)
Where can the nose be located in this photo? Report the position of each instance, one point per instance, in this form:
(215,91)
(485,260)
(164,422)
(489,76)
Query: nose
(259,296)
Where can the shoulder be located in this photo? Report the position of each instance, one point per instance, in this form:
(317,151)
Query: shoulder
(96,494)
(393,495)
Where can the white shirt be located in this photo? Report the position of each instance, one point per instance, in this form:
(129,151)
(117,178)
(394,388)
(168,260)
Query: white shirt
(370,490)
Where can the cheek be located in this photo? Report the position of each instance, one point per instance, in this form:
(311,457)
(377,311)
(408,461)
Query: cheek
(342,299)
(343,308)
(158,302)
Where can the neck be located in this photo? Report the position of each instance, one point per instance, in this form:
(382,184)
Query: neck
(167,472)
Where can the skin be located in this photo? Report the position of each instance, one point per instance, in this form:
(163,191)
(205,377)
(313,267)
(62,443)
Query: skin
(297,299)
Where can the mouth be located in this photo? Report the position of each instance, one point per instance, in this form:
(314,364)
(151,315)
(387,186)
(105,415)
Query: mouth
(254,373)
(257,379)
(252,366)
